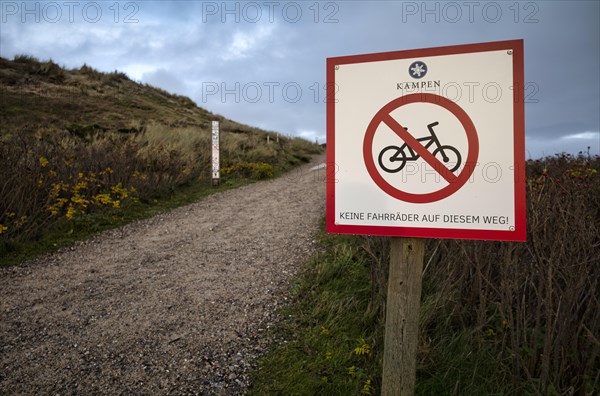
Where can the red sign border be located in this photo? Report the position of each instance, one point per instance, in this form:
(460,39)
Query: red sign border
(519,234)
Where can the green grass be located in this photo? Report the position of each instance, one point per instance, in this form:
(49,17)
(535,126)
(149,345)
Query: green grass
(315,343)
(326,337)
(453,358)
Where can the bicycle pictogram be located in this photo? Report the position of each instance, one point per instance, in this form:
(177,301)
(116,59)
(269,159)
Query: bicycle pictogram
(393,159)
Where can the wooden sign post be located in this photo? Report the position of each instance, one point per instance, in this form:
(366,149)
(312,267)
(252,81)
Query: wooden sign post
(402,316)
(407,158)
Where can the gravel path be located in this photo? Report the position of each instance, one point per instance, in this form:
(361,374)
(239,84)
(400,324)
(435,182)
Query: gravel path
(178,304)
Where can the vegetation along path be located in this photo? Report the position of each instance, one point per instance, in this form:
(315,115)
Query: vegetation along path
(176,304)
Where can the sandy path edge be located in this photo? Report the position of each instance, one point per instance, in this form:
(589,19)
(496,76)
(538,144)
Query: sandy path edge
(175,304)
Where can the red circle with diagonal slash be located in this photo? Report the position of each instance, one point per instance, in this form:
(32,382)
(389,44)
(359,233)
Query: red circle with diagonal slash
(454,182)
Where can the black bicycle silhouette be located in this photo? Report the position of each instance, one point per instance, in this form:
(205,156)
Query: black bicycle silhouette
(396,158)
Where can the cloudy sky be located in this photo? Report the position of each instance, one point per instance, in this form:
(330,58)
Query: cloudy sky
(263,63)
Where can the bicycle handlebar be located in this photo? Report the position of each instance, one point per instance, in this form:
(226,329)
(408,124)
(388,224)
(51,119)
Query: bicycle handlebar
(430,126)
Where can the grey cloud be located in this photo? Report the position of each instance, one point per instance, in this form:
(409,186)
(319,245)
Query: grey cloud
(179,47)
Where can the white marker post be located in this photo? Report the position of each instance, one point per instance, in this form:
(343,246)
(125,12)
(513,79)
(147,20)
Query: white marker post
(216,165)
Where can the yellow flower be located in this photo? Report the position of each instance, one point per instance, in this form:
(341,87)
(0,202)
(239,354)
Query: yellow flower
(362,348)
(119,191)
(77,199)
(3,229)
(56,187)
(71,212)
(55,208)
(116,204)
(43,162)
(79,186)
(103,199)
(367,388)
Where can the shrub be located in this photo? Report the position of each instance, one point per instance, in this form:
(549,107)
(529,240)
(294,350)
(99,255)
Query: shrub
(249,170)
(532,306)
(114,78)
(90,72)
(56,177)
(26,59)
(52,71)
(265,153)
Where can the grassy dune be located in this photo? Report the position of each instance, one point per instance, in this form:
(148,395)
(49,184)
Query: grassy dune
(82,151)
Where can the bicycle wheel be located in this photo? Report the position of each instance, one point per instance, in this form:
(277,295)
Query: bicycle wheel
(452,158)
(392,159)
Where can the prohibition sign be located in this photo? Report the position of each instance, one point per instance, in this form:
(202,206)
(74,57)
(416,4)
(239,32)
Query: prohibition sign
(455,182)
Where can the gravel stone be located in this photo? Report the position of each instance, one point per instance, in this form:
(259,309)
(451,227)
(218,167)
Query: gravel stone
(178,304)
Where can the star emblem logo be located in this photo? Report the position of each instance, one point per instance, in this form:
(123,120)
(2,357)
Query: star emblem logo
(417,69)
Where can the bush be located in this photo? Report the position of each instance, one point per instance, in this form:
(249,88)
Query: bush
(52,178)
(57,177)
(91,72)
(52,71)
(26,59)
(249,170)
(532,308)
(115,78)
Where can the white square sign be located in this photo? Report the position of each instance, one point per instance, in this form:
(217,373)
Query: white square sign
(428,143)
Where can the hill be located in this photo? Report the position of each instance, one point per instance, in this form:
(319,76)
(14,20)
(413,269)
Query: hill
(41,94)
(78,143)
